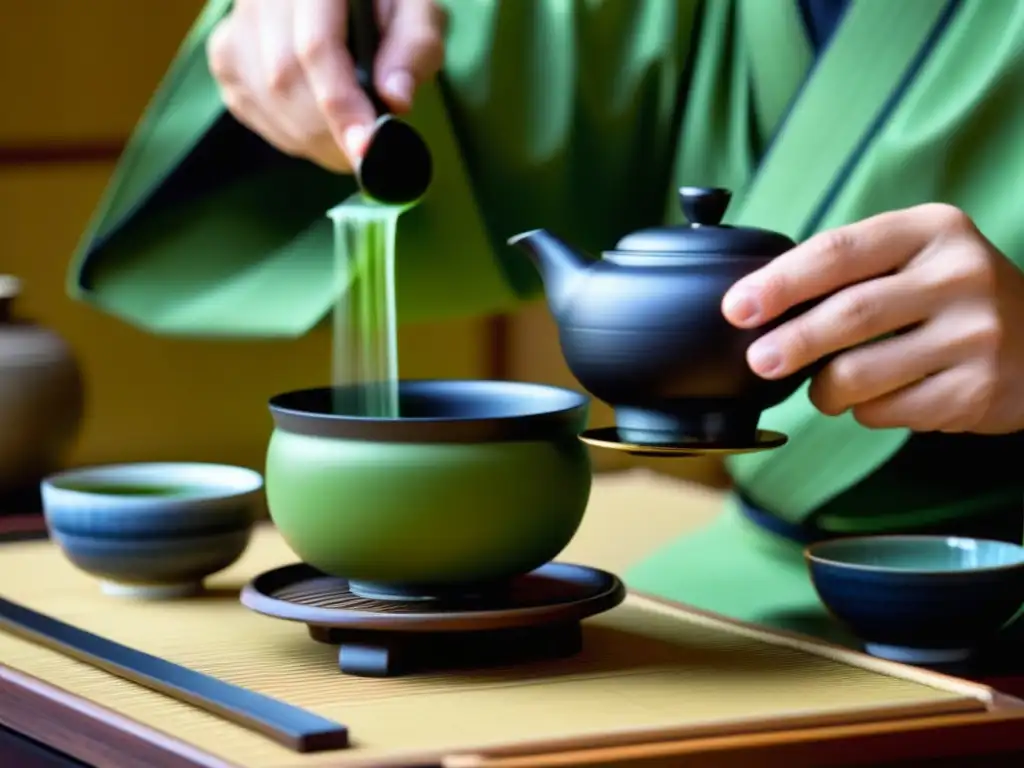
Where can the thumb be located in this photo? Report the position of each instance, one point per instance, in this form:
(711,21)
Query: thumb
(411,52)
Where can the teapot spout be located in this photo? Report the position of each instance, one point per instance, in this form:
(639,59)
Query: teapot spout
(560,265)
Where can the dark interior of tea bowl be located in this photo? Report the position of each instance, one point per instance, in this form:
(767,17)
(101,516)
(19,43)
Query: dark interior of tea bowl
(438,410)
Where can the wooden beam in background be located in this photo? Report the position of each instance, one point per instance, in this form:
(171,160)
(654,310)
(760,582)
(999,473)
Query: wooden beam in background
(498,337)
(27,154)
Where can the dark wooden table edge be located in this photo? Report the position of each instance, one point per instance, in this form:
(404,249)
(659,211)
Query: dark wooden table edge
(918,741)
(17,749)
(88,731)
(99,736)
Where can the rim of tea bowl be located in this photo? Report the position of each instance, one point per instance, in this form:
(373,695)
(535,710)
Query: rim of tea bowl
(477,481)
(152,530)
(524,411)
(919,599)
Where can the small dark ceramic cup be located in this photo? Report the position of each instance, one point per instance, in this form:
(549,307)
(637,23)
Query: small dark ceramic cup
(919,599)
(476,482)
(152,530)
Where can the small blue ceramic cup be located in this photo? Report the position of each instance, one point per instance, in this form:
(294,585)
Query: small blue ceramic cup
(153,530)
(926,600)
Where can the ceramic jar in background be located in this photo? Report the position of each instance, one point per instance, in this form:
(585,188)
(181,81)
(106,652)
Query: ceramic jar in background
(41,396)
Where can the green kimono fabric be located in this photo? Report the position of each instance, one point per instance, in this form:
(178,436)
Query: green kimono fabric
(583,118)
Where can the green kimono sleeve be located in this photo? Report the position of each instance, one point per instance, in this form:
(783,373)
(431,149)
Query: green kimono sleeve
(206,230)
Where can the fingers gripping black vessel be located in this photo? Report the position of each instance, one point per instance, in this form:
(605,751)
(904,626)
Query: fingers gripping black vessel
(642,328)
(396,167)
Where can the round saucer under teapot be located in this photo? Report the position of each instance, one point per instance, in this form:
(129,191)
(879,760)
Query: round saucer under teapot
(642,329)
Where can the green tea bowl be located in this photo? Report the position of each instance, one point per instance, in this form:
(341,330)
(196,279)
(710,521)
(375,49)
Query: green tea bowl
(929,600)
(152,530)
(474,483)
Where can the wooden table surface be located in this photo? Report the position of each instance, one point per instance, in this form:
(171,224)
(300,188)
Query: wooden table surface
(852,744)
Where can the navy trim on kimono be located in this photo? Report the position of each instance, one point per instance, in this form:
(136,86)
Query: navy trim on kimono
(814,222)
(828,199)
(821,19)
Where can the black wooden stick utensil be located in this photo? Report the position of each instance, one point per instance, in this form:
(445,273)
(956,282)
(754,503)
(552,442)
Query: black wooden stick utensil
(288,725)
(396,167)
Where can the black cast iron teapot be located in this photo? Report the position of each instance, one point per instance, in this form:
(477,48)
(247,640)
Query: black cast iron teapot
(642,328)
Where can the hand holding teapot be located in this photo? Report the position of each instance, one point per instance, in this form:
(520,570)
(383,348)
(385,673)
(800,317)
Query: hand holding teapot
(919,312)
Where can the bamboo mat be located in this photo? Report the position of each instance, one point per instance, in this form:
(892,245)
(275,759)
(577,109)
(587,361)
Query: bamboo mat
(648,671)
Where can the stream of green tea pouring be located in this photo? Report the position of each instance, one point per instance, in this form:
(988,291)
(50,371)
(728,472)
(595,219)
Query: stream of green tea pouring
(396,167)
(394,173)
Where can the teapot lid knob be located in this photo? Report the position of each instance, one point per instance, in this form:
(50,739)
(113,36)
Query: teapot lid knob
(705,233)
(704,206)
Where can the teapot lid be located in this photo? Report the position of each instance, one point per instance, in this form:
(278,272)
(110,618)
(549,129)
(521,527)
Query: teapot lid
(704,208)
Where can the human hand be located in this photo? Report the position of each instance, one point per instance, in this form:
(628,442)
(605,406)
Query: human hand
(925,274)
(284,71)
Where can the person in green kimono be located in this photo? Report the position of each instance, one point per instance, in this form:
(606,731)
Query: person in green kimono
(886,137)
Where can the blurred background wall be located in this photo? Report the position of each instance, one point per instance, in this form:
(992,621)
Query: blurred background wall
(74,76)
